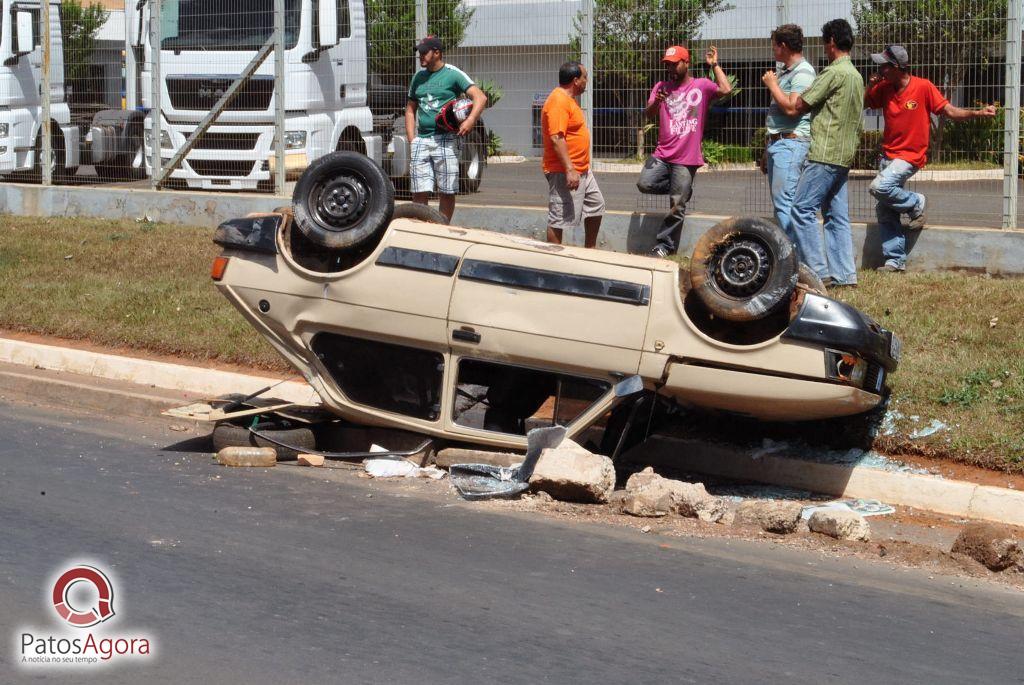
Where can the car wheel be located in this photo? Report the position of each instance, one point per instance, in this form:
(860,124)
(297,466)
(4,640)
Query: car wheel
(342,200)
(743,269)
(472,161)
(806,276)
(301,438)
(414,210)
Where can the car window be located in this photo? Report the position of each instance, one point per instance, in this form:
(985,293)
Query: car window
(394,378)
(515,400)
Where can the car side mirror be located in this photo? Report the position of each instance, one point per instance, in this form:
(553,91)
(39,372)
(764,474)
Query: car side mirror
(328,23)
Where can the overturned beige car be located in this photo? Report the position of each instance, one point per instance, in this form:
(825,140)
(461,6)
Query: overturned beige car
(476,336)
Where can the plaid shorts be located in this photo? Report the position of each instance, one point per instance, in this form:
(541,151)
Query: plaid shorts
(435,159)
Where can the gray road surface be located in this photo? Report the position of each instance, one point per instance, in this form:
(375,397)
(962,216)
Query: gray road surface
(300,576)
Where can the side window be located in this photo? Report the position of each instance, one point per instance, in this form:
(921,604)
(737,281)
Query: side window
(515,400)
(393,378)
(344,21)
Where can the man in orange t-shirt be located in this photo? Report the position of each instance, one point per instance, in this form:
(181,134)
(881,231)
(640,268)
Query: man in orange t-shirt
(573,194)
(907,102)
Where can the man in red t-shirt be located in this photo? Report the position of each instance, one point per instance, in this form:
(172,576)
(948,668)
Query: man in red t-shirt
(907,102)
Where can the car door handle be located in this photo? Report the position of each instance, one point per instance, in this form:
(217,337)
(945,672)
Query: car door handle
(467,335)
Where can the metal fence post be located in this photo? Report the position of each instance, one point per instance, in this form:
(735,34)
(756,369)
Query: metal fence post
(47,147)
(421,23)
(587,58)
(1011,115)
(781,12)
(279,98)
(156,87)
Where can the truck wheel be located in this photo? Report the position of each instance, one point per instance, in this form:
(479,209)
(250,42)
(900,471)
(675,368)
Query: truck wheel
(343,200)
(414,210)
(743,269)
(58,172)
(472,161)
(226,434)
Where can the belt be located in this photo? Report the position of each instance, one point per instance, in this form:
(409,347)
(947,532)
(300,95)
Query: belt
(772,137)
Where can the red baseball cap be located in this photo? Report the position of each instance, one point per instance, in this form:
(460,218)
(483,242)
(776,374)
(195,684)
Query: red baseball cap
(676,53)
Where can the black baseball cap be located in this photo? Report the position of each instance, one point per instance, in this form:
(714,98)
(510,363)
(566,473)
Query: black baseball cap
(429,43)
(896,55)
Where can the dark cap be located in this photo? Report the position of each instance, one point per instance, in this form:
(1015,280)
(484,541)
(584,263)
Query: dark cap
(896,55)
(429,43)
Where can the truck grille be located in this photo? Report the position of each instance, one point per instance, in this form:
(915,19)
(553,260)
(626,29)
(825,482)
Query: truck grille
(203,92)
(226,141)
(221,167)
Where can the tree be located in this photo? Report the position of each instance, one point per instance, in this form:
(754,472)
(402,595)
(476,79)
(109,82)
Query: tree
(630,37)
(945,39)
(79,26)
(391,26)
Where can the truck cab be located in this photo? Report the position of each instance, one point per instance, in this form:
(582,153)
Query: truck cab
(21,79)
(206,45)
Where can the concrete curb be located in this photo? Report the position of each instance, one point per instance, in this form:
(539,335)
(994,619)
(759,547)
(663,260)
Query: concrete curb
(200,381)
(956,498)
(931,493)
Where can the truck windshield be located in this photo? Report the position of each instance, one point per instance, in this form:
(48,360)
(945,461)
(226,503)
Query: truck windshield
(224,24)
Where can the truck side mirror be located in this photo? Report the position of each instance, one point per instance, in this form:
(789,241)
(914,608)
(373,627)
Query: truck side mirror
(23,21)
(328,23)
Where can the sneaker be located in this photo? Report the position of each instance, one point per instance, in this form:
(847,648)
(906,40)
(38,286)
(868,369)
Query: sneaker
(828,282)
(891,268)
(917,215)
(660,251)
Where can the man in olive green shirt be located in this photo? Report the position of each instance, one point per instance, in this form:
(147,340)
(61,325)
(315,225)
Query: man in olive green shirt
(835,99)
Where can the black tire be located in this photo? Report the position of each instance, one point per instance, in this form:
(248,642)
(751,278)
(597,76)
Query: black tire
(59,171)
(343,200)
(743,269)
(472,161)
(414,210)
(806,276)
(302,438)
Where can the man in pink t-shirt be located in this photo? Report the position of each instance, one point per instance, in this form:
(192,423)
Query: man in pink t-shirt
(681,104)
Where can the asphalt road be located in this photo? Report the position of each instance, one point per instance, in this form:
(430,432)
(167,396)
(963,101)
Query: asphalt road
(308,576)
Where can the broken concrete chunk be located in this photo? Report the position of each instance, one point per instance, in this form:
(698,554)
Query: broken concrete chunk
(571,473)
(693,500)
(997,547)
(311,460)
(456,455)
(770,515)
(843,525)
(247,456)
(648,494)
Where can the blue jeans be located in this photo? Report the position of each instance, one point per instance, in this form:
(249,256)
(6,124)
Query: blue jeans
(785,157)
(823,186)
(893,200)
(659,177)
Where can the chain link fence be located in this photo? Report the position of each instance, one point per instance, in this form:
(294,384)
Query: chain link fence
(245,88)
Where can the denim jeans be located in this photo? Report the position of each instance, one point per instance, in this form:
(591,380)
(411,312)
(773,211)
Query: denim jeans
(785,157)
(893,200)
(659,177)
(823,186)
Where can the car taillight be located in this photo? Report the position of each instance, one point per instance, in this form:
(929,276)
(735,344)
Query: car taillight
(220,264)
(845,368)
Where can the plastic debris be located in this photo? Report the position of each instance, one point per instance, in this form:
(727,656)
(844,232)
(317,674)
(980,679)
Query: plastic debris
(934,427)
(399,468)
(484,481)
(864,507)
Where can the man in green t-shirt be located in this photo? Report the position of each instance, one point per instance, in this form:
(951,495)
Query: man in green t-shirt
(434,155)
(835,100)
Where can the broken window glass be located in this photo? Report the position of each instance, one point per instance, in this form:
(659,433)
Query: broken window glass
(515,400)
(394,378)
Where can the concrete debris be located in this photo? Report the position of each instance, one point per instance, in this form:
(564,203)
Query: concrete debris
(311,460)
(843,525)
(771,516)
(996,547)
(248,456)
(457,455)
(648,494)
(571,473)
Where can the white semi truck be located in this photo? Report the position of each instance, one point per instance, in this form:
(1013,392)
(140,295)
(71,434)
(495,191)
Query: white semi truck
(109,139)
(206,45)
